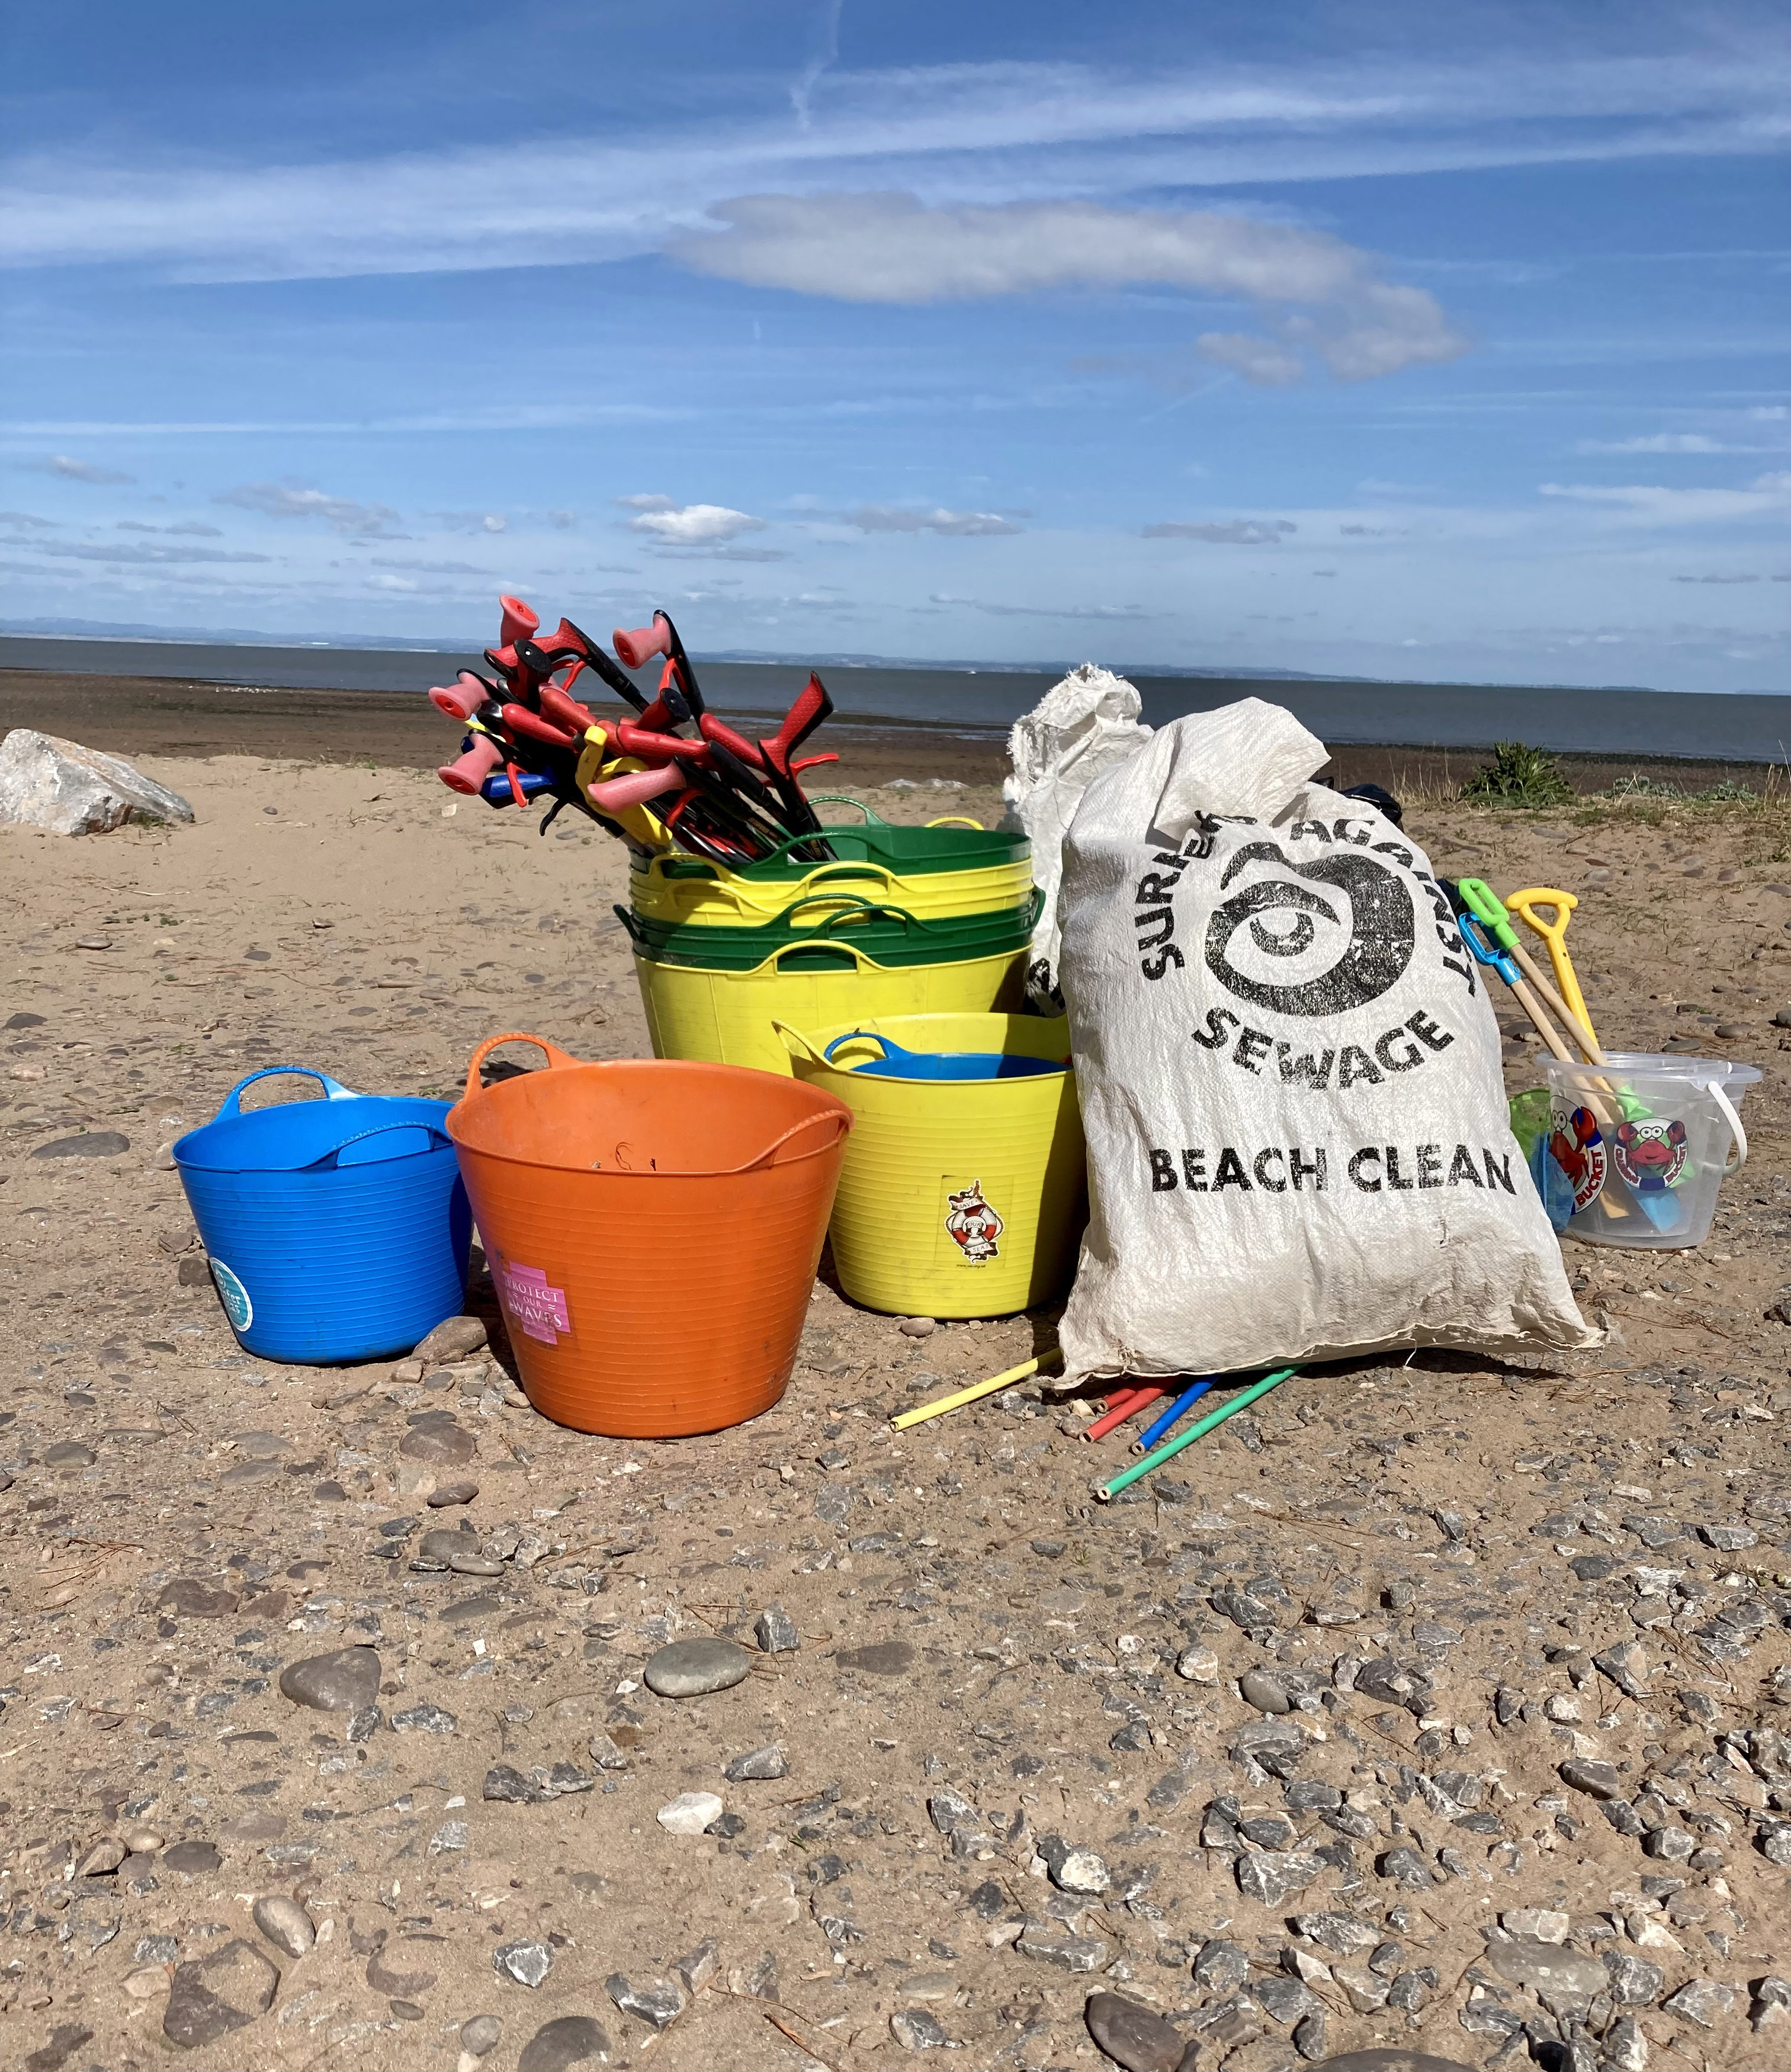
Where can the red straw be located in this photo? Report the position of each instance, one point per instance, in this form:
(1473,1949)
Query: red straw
(1122,1406)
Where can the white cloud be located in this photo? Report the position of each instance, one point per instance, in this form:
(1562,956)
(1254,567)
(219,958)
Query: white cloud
(1236,532)
(1257,360)
(26,518)
(124,554)
(955,524)
(891,248)
(1655,442)
(430,568)
(1717,579)
(1096,611)
(190,528)
(284,499)
(1652,504)
(646,500)
(84,470)
(1613,84)
(693,525)
(471,521)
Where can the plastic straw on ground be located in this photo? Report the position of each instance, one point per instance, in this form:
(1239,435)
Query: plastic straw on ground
(976,1390)
(1124,1405)
(1170,1448)
(1177,1410)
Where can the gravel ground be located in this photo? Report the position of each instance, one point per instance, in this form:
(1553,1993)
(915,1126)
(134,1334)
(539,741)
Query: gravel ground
(1437,1704)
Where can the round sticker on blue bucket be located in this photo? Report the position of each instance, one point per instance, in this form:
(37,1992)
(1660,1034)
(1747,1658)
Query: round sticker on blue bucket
(234,1297)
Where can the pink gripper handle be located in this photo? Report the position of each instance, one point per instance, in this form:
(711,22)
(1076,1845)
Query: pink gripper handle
(518,619)
(634,649)
(459,702)
(471,771)
(636,786)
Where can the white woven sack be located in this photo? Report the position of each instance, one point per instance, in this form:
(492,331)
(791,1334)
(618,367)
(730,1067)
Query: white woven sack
(1288,1067)
(1085,724)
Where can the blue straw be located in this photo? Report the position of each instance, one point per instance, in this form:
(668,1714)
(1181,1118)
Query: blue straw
(1179,1408)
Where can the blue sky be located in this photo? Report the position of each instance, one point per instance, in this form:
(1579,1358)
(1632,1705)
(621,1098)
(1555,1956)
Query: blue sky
(1379,338)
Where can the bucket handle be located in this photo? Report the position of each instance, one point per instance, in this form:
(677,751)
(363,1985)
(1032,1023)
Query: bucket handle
(231,1103)
(885,1048)
(1735,1130)
(332,1159)
(796,1042)
(840,1117)
(957,820)
(839,799)
(554,1055)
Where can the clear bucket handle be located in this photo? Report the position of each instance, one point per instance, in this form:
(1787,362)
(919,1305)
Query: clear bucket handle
(1735,1130)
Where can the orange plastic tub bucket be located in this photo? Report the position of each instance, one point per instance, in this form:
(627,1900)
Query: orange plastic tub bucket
(653,1228)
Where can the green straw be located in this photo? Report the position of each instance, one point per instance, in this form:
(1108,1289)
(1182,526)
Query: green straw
(1171,1446)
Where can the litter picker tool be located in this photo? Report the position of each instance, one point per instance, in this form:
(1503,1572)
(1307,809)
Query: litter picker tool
(1171,1447)
(905,1418)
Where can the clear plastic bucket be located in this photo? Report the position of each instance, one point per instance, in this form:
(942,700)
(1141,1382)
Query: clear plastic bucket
(1645,1140)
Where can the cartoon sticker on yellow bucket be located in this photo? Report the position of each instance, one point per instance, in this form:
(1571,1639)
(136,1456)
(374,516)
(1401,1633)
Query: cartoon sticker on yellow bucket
(972,1225)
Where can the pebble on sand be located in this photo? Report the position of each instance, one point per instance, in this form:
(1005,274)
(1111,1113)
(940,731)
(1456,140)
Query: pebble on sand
(285,1923)
(693,1668)
(689,1813)
(567,2041)
(527,1963)
(346,1680)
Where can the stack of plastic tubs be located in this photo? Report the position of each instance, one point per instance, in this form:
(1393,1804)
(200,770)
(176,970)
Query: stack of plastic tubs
(909,920)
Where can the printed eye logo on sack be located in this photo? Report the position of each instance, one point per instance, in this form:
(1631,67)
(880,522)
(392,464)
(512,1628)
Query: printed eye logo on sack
(1361,939)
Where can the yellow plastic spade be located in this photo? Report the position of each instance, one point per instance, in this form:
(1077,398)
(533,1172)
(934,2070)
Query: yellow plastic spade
(1555,933)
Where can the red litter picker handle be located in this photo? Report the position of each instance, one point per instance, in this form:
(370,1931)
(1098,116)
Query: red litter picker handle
(635,650)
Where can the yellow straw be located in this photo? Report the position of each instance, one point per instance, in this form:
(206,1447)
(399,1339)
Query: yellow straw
(970,1395)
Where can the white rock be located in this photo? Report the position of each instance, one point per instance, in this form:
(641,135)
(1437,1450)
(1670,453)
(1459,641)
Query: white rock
(1198,1665)
(65,789)
(1544,1924)
(689,1813)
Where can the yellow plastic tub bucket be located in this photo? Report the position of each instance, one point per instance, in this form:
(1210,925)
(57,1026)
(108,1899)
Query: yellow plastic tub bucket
(958,1198)
(731,902)
(725,1017)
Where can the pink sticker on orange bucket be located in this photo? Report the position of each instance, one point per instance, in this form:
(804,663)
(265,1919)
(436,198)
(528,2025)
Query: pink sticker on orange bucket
(531,1305)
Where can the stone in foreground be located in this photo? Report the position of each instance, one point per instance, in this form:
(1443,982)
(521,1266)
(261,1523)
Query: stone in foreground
(285,1923)
(62,788)
(693,1668)
(689,1813)
(345,1681)
(1133,2036)
(658,2002)
(526,1962)
(569,2040)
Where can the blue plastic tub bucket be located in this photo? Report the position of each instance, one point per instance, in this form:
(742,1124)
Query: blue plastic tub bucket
(335,1229)
(896,1063)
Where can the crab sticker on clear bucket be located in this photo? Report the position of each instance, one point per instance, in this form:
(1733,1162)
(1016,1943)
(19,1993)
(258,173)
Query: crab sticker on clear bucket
(1578,1147)
(1651,1156)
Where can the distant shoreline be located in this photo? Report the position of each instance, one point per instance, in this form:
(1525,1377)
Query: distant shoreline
(151,717)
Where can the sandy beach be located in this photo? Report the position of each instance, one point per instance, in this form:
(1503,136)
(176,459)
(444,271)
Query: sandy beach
(1588,1558)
